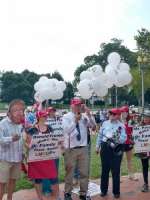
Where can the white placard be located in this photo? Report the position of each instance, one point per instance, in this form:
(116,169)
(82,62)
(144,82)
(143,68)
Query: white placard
(46,146)
(141,136)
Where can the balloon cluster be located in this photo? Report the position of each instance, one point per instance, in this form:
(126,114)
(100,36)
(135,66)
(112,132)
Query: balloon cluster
(48,89)
(95,81)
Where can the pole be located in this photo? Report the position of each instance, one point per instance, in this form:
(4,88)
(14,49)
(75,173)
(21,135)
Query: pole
(116,91)
(142,79)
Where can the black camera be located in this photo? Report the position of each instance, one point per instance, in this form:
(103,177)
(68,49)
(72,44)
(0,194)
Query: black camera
(116,147)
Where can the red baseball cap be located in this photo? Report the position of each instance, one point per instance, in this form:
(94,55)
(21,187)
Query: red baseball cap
(115,111)
(51,109)
(42,113)
(124,109)
(76,101)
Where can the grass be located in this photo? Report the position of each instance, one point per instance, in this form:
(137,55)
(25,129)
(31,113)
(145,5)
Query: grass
(95,168)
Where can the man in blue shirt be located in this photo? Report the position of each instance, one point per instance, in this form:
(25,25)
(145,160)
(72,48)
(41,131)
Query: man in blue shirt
(112,134)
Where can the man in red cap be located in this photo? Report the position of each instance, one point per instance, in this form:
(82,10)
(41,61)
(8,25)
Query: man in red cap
(75,126)
(111,136)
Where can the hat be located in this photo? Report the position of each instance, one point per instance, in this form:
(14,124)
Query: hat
(115,111)
(76,101)
(124,109)
(42,113)
(51,109)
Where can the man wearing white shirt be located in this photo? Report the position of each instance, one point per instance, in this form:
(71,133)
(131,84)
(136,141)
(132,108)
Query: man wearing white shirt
(11,147)
(75,127)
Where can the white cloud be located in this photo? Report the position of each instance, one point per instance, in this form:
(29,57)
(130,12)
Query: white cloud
(48,35)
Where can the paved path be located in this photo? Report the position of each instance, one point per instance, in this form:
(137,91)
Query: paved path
(130,190)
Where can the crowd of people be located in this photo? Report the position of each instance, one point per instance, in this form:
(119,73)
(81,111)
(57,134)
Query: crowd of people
(114,139)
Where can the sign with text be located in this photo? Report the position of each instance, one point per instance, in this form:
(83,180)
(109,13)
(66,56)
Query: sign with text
(141,136)
(47,146)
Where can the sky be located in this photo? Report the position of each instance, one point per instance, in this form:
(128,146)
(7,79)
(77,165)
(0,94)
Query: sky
(56,35)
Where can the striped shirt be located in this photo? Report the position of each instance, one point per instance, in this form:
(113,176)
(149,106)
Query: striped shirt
(10,151)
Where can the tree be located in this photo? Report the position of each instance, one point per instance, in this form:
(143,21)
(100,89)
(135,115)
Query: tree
(15,85)
(101,59)
(143,44)
(68,93)
(143,40)
(136,82)
(57,75)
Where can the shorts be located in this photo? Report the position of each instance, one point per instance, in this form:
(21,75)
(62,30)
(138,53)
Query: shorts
(9,170)
(127,147)
(51,181)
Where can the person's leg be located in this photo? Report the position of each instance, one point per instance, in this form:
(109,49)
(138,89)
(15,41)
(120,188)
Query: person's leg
(129,155)
(70,162)
(55,192)
(11,188)
(115,169)
(145,169)
(4,176)
(105,156)
(14,175)
(38,188)
(2,189)
(83,161)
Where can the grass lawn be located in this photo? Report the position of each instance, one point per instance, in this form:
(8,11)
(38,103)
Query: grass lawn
(23,183)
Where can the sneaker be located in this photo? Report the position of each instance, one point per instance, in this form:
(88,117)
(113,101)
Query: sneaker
(82,197)
(67,196)
(145,188)
(102,194)
(116,196)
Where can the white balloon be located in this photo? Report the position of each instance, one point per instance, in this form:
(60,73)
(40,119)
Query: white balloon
(85,75)
(103,91)
(36,86)
(38,97)
(97,83)
(109,70)
(114,59)
(45,92)
(124,67)
(62,85)
(43,78)
(96,70)
(123,78)
(85,89)
(110,81)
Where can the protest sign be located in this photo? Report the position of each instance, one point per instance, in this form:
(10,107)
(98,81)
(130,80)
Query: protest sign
(141,136)
(46,146)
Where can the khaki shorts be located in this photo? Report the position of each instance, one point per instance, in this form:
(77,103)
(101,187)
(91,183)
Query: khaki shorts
(9,170)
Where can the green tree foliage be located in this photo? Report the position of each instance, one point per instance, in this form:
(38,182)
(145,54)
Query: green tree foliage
(15,85)
(68,93)
(143,40)
(136,82)
(21,85)
(143,44)
(116,45)
(101,58)
(57,75)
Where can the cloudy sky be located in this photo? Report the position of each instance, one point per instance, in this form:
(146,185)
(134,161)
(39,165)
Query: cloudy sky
(48,35)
